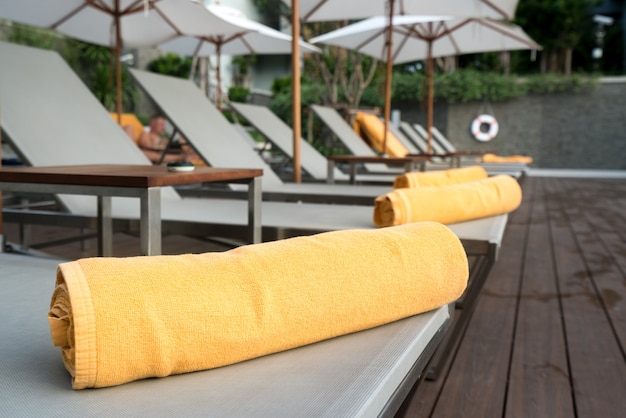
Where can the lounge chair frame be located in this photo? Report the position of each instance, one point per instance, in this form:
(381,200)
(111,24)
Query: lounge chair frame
(444,149)
(222,144)
(281,135)
(348,137)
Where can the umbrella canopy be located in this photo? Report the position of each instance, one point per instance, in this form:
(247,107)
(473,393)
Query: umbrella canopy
(332,10)
(251,38)
(116,23)
(426,37)
(329,10)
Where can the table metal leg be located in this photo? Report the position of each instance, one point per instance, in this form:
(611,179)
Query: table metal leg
(150,222)
(330,174)
(352,172)
(255,201)
(105,226)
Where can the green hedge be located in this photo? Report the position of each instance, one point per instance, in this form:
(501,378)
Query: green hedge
(467,85)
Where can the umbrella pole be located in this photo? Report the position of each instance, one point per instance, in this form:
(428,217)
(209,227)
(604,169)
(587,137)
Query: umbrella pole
(118,68)
(218,75)
(430,76)
(1,230)
(295,85)
(204,76)
(387,110)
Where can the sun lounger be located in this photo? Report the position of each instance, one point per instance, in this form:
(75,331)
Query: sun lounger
(39,84)
(481,155)
(411,142)
(322,379)
(373,128)
(220,144)
(35,82)
(414,143)
(346,135)
(440,157)
(447,145)
(420,143)
(281,135)
(442,146)
(410,147)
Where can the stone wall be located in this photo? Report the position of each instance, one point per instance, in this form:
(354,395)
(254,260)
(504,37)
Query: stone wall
(562,130)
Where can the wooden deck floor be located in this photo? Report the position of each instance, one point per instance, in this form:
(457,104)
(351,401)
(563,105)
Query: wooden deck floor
(548,336)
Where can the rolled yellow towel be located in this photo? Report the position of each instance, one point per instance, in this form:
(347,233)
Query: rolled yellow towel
(372,129)
(122,319)
(448,204)
(493,158)
(439,177)
(129,119)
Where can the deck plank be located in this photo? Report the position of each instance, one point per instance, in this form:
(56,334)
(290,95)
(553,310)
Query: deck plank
(539,383)
(600,231)
(585,273)
(474,385)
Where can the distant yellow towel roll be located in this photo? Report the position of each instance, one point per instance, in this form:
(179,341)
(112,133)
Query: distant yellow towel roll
(122,319)
(448,204)
(439,177)
(372,129)
(129,119)
(493,158)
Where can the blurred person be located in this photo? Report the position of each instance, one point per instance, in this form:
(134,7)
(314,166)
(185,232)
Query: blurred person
(153,142)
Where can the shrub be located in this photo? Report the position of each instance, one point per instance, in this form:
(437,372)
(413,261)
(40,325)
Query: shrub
(171,64)
(238,94)
(468,84)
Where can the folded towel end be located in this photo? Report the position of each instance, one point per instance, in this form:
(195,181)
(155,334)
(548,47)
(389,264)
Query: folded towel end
(58,331)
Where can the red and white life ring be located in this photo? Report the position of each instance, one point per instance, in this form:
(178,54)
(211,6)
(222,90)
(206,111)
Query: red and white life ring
(484,128)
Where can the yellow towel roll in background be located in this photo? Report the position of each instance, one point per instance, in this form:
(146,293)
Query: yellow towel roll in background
(448,204)
(122,319)
(493,158)
(129,119)
(439,177)
(372,130)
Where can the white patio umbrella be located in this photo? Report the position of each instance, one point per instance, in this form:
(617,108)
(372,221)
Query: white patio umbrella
(116,23)
(252,38)
(332,10)
(426,37)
